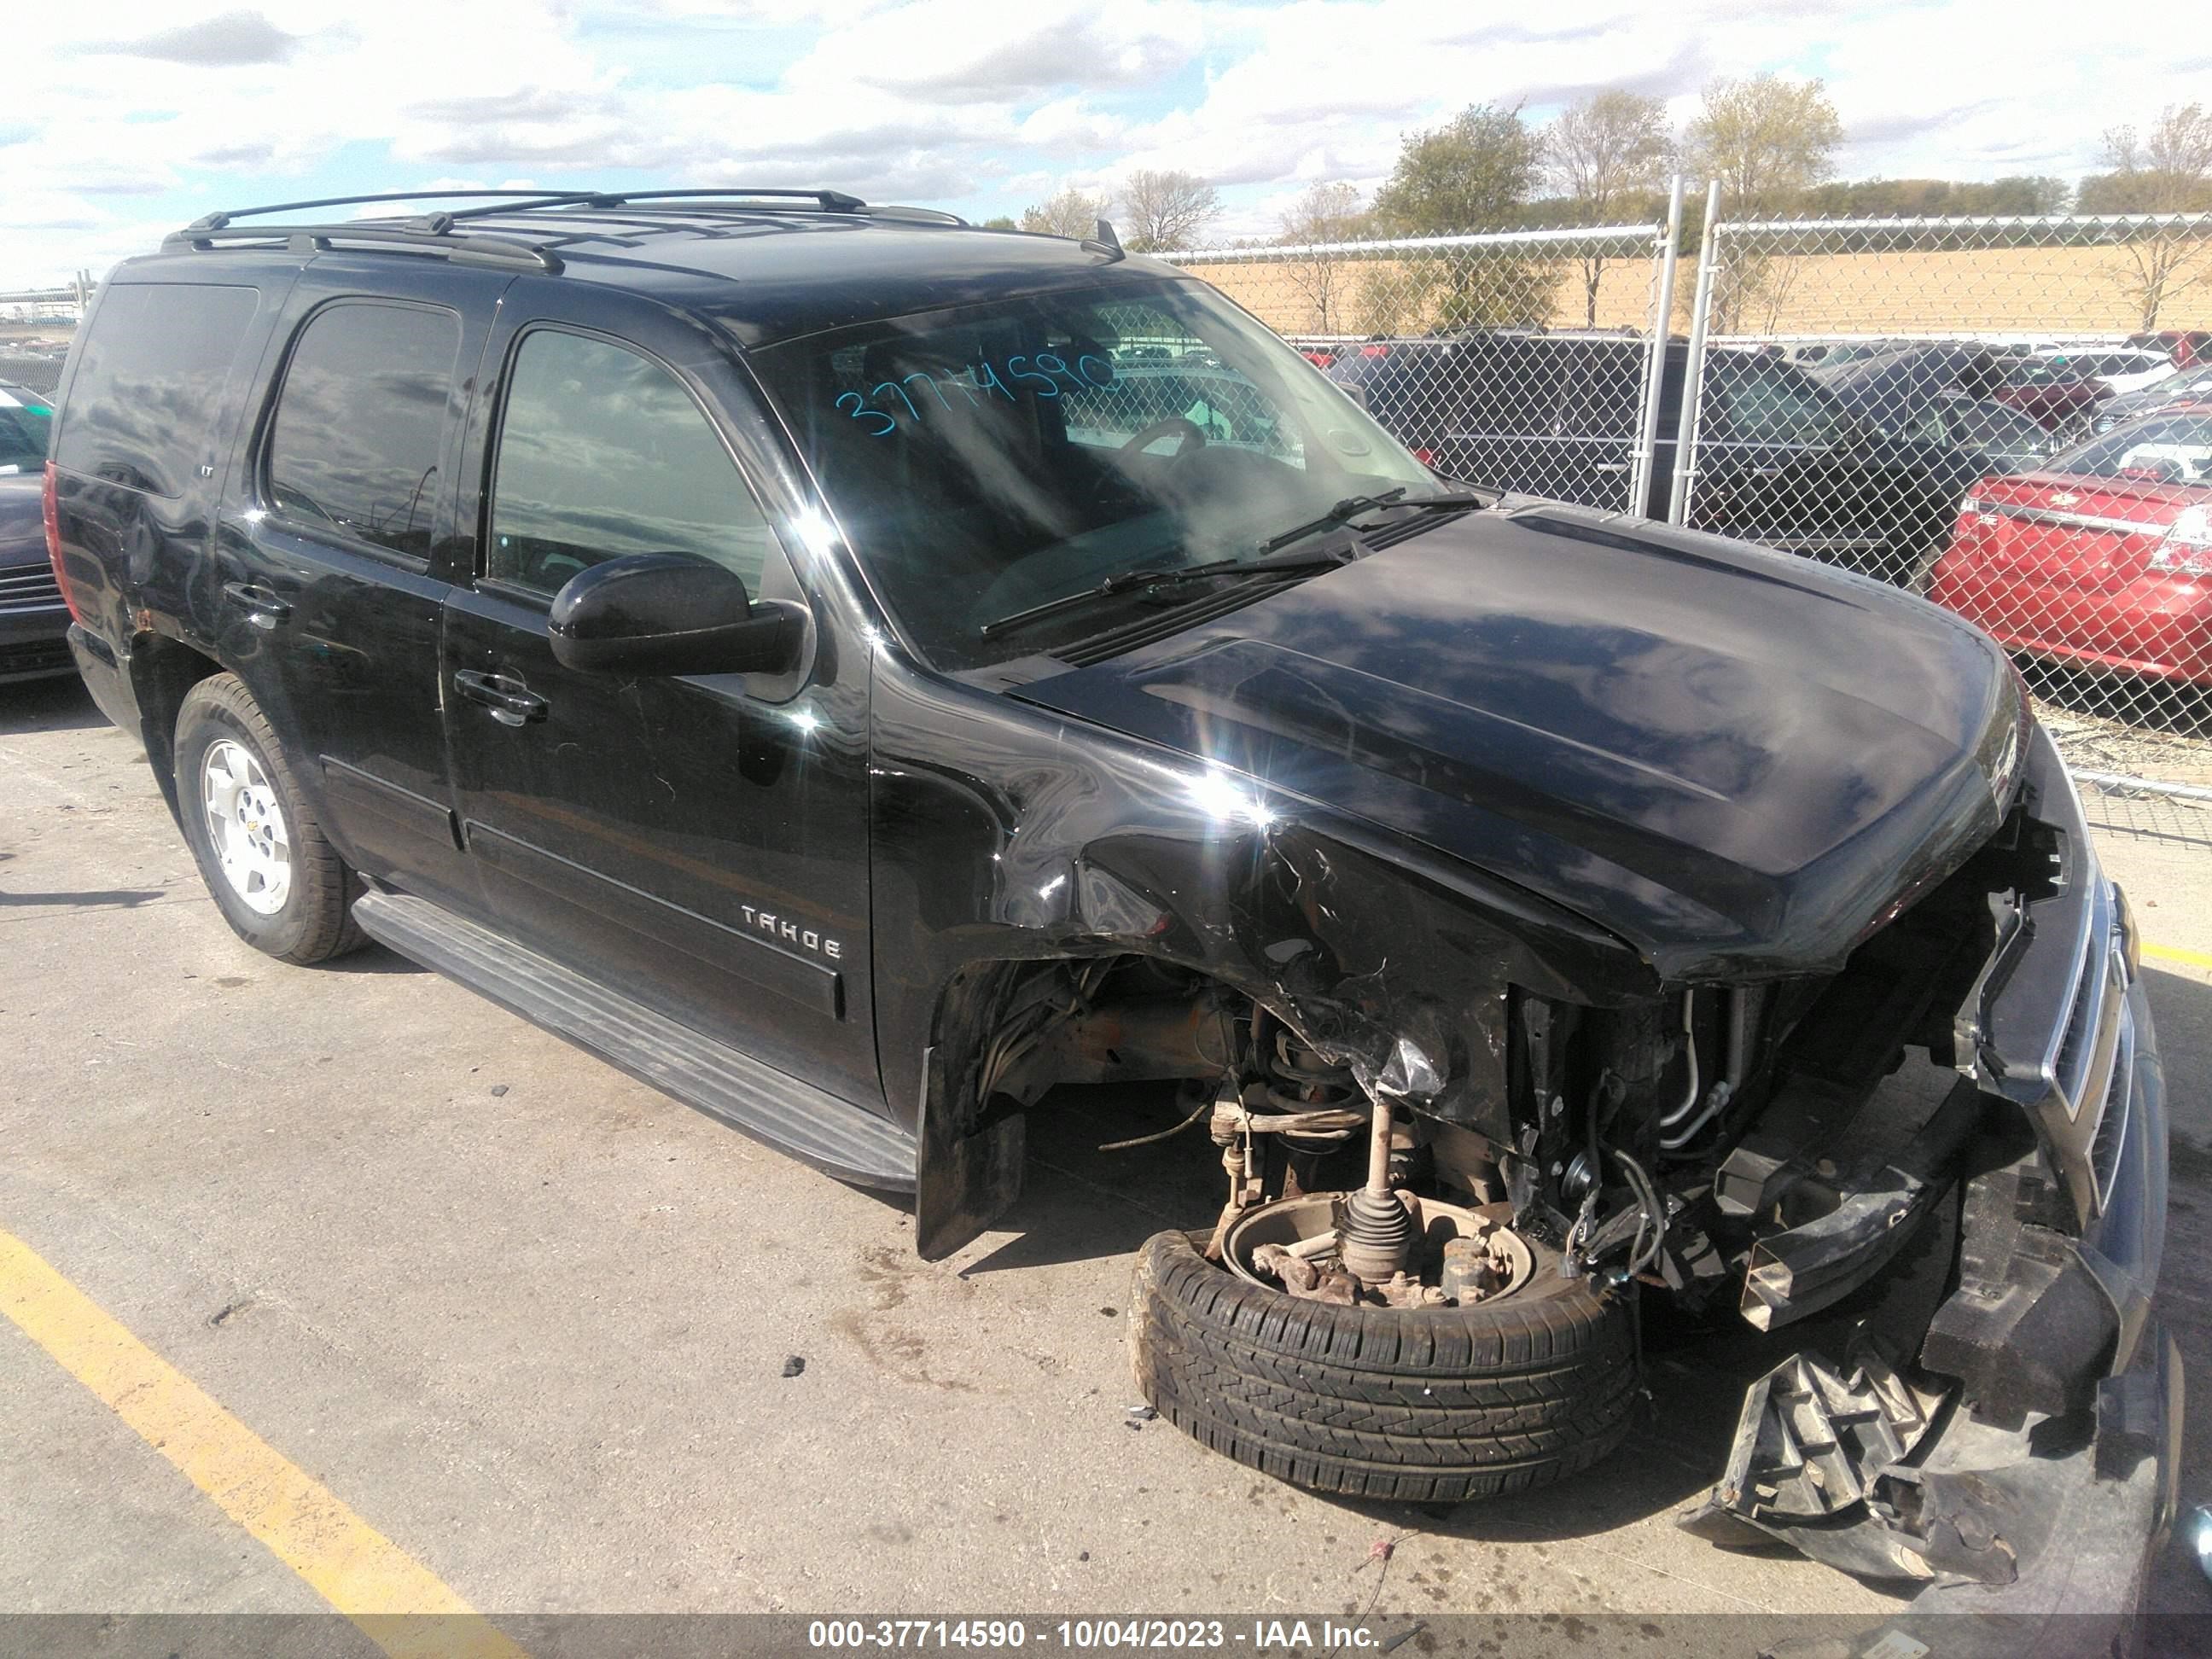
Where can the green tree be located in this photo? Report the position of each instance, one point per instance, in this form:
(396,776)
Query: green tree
(1001,221)
(1475,173)
(1602,153)
(1767,141)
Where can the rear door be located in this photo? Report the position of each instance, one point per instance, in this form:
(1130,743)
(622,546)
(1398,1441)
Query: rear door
(1503,414)
(697,842)
(1594,428)
(1779,464)
(329,557)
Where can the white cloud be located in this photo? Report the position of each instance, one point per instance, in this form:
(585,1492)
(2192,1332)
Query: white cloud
(160,109)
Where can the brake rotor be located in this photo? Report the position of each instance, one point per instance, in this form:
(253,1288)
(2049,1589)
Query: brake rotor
(1460,1257)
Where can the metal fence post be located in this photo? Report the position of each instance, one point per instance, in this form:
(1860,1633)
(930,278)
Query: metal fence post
(1655,359)
(1685,439)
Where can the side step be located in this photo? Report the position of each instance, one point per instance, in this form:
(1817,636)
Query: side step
(833,1135)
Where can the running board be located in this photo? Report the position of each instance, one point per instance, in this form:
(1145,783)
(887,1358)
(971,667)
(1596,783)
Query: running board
(833,1135)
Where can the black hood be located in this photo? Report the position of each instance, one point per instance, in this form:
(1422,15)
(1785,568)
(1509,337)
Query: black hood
(1737,761)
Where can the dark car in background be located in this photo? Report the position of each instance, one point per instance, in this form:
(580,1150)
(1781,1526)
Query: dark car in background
(2189,348)
(2182,386)
(34,621)
(2050,392)
(1783,460)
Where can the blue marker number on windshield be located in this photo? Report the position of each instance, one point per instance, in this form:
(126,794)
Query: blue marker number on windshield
(977,383)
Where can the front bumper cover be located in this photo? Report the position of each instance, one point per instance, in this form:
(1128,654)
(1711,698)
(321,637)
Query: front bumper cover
(2025,1469)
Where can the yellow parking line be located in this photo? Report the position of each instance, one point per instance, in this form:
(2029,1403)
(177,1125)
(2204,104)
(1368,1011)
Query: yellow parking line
(2174,953)
(399,1603)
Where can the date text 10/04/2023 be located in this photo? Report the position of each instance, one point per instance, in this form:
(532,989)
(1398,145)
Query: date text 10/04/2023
(1257,1636)
(974,382)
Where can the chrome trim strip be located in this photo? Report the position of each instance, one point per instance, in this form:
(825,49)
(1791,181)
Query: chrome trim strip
(2046,515)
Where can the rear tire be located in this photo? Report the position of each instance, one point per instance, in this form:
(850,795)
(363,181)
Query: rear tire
(1436,1405)
(276,879)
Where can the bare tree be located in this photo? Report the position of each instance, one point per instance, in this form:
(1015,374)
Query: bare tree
(1326,213)
(1166,209)
(2165,171)
(1070,213)
(1600,153)
(1767,141)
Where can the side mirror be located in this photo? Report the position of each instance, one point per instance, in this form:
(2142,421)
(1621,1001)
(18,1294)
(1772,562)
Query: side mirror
(666,613)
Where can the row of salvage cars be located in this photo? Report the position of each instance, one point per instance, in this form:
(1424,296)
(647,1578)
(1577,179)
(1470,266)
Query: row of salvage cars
(2076,529)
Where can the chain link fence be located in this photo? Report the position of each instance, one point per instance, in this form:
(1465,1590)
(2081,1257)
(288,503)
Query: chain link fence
(1453,342)
(1976,409)
(2010,415)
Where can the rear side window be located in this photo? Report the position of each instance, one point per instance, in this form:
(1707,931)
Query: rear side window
(147,405)
(360,422)
(603,452)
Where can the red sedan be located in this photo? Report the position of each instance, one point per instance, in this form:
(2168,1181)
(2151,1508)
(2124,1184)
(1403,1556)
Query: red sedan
(2101,559)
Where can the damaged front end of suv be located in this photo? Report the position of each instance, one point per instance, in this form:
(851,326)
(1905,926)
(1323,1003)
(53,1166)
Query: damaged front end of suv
(2017,1451)
(1508,1010)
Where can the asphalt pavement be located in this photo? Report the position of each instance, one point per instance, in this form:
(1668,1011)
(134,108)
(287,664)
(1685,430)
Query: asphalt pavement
(530,1322)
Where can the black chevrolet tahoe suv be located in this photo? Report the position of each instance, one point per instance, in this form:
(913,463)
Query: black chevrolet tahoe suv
(859,672)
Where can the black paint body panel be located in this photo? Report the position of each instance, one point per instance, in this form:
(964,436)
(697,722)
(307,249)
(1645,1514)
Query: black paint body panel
(1731,758)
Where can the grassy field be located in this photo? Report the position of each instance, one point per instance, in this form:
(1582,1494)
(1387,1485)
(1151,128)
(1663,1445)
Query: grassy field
(2077,290)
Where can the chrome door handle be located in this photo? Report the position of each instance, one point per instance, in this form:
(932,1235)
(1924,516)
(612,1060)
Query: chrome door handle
(261,607)
(511,701)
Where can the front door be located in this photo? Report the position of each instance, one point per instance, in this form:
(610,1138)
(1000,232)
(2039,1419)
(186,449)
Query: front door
(697,842)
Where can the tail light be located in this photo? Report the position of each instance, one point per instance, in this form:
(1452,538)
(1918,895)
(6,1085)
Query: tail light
(1425,457)
(2186,549)
(50,510)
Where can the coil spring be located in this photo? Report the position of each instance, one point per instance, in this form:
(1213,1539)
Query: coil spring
(1299,1080)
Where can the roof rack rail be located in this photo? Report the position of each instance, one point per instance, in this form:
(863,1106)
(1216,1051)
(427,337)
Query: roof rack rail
(420,237)
(511,201)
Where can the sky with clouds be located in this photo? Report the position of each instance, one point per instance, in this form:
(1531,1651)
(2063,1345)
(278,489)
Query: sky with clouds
(128,118)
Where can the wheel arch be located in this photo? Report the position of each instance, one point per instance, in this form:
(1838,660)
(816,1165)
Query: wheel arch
(163,671)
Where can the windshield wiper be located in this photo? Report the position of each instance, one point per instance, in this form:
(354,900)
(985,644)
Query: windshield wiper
(1129,581)
(1353,506)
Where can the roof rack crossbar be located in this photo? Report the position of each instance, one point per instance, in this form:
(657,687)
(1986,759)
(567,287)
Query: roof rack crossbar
(509,201)
(416,238)
(227,217)
(829,201)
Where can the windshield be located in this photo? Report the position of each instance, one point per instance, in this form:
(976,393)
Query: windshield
(2175,449)
(989,460)
(26,424)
